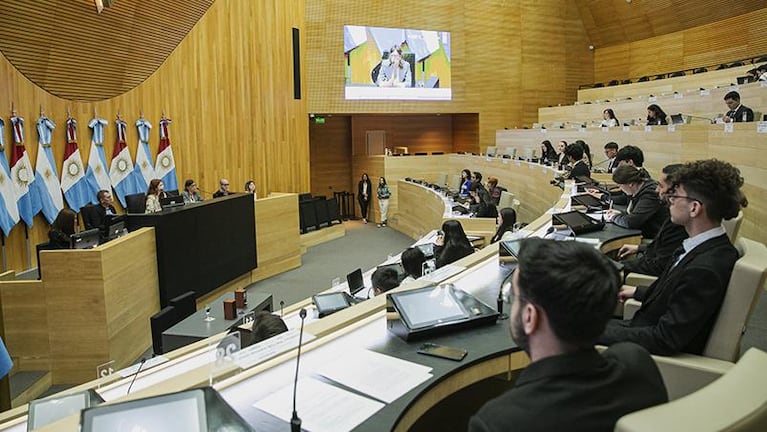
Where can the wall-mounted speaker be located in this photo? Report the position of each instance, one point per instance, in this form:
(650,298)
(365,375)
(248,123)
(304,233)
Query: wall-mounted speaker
(296,65)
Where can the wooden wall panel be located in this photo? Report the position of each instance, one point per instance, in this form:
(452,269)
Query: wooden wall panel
(331,153)
(717,42)
(466,133)
(499,49)
(421,133)
(228,87)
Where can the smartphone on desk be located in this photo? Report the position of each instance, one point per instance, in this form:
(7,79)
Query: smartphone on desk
(441,351)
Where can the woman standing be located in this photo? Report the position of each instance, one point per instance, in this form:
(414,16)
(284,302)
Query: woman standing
(383,194)
(62,229)
(364,189)
(153,194)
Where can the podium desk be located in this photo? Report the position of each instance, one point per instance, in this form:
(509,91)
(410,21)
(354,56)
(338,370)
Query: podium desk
(202,246)
(194,327)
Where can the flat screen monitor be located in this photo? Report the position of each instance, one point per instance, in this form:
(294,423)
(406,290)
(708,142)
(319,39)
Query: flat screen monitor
(183,411)
(355,281)
(396,64)
(49,410)
(86,239)
(430,306)
(331,302)
(170,201)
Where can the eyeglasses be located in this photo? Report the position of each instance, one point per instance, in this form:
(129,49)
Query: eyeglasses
(671,198)
(224,184)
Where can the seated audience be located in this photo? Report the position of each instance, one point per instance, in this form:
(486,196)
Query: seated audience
(465,183)
(250,187)
(608,118)
(738,112)
(586,152)
(762,70)
(679,309)
(656,116)
(95,216)
(412,261)
(506,220)
(651,259)
(223,189)
(62,229)
(481,202)
(384,279)
(645,210)
(494,190)
(153,194)
(611,151)
(561,157)
(265,325)
(548,154)
(476,177)
(578,167)
(557,314)
(191,193)
(452,244)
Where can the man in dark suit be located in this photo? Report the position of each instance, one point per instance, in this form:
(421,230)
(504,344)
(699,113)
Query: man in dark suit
(574,154)
(556,316)
(737,112)
(95,216)
(651,259)
(611,150)
(679,309)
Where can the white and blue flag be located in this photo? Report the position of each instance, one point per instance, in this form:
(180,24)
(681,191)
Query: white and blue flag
(9,210)
(73,181)
(47,182)
(166,163)
(23,174)
(97,174)
(144,168)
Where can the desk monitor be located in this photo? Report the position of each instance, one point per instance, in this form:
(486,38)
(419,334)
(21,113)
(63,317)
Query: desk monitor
(49,410)
(578,222)
(86,239)
(171,201)
(115,230)
(331,303)
(677,119)
(508,250)
(355,281)
(588,201)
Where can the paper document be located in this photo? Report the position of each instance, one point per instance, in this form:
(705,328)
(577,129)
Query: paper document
(377,375)
(321,406)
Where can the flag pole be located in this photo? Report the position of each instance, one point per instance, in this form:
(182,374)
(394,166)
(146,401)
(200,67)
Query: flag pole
(29,251)
(5,261)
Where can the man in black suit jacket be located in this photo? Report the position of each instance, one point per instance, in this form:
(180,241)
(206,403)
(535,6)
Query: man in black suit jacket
(652,258)
(737,112)
(574,154)
(679,309)
(95,216)
(556,316)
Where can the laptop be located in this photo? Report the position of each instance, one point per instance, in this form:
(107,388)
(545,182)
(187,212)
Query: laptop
(355,281)
(677,119)
(86,239)
(171,201)
(578,222)
(591,203)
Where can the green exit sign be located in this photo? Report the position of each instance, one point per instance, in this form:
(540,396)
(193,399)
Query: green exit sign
(319,120)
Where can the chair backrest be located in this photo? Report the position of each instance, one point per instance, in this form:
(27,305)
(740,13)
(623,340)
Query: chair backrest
(136,203)
(732,226)
(746,282)
(735,402)
(507,200)
(41,247)
(185,304)
(159,322)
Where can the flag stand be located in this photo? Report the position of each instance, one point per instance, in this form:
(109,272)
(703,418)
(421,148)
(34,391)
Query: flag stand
(29,252)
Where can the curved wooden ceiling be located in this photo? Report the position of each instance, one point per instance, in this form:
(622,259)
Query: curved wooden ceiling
(613,22)
(69,50)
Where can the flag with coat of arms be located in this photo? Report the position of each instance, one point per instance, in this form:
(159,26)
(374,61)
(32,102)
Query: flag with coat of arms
(144,167)
(9,210)
(22,174)
(46,178)
(121,171)
(73,181)
(166,163)
(97,174)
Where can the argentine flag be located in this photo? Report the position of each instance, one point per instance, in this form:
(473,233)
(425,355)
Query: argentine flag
(97,174)
(121,171)
(46,178)
(166,164)
(73,181)
(144,168)
(9,210)
(23,175)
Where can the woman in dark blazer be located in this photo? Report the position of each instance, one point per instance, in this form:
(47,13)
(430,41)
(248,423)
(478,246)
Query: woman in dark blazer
(548,154)
(645,211)
(452,244)
(62,229)
(656,116)
(506,220)
(364,191)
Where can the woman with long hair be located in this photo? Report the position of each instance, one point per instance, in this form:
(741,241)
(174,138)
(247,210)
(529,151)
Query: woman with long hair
(656,116)
(548,153)
(465,183)
(452,244)
(153,194)
(608,118)
(645,211)
(62,229)
(506,220)
(364,189)
(383,193)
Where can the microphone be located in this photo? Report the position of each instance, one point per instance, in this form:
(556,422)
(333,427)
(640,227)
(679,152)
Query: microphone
(295,421)
(135,375)
(282,304)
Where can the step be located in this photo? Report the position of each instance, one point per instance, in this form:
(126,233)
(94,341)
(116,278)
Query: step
(28,385)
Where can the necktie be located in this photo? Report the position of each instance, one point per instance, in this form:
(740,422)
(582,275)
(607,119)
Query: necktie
(677,254)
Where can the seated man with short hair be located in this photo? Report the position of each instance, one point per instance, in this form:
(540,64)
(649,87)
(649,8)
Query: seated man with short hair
(680,308)
(412,262)
(556,316)
(384,279)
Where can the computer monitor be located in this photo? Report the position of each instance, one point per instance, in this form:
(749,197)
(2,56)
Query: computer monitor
(677,119)
(115,230)
(49,410)
(578,222)
(355,281)
(428,307)
(170,201)
(331,303)
(184,411)
(85,239)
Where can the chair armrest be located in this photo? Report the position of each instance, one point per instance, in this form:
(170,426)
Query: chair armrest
(687,373)
(636,279)
(630,307)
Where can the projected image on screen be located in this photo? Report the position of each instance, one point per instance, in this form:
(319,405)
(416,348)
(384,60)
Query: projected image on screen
(397,64)
(430,307)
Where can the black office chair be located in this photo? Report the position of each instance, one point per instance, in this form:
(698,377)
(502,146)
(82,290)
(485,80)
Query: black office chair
(308,215)
(643,79)
(136,203)
(321,210)
(626,81)
(613,83)
(700,70)
(598,85)
(334,214)
(89,216)
(677,74)
(660,76)
(42,247)
(185,304)
(159,322)
(737,64)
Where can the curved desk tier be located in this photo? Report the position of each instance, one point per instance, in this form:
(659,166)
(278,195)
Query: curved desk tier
(491,351)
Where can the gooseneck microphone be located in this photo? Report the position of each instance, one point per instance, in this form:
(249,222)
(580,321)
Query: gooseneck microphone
(295,421)
(136,375)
